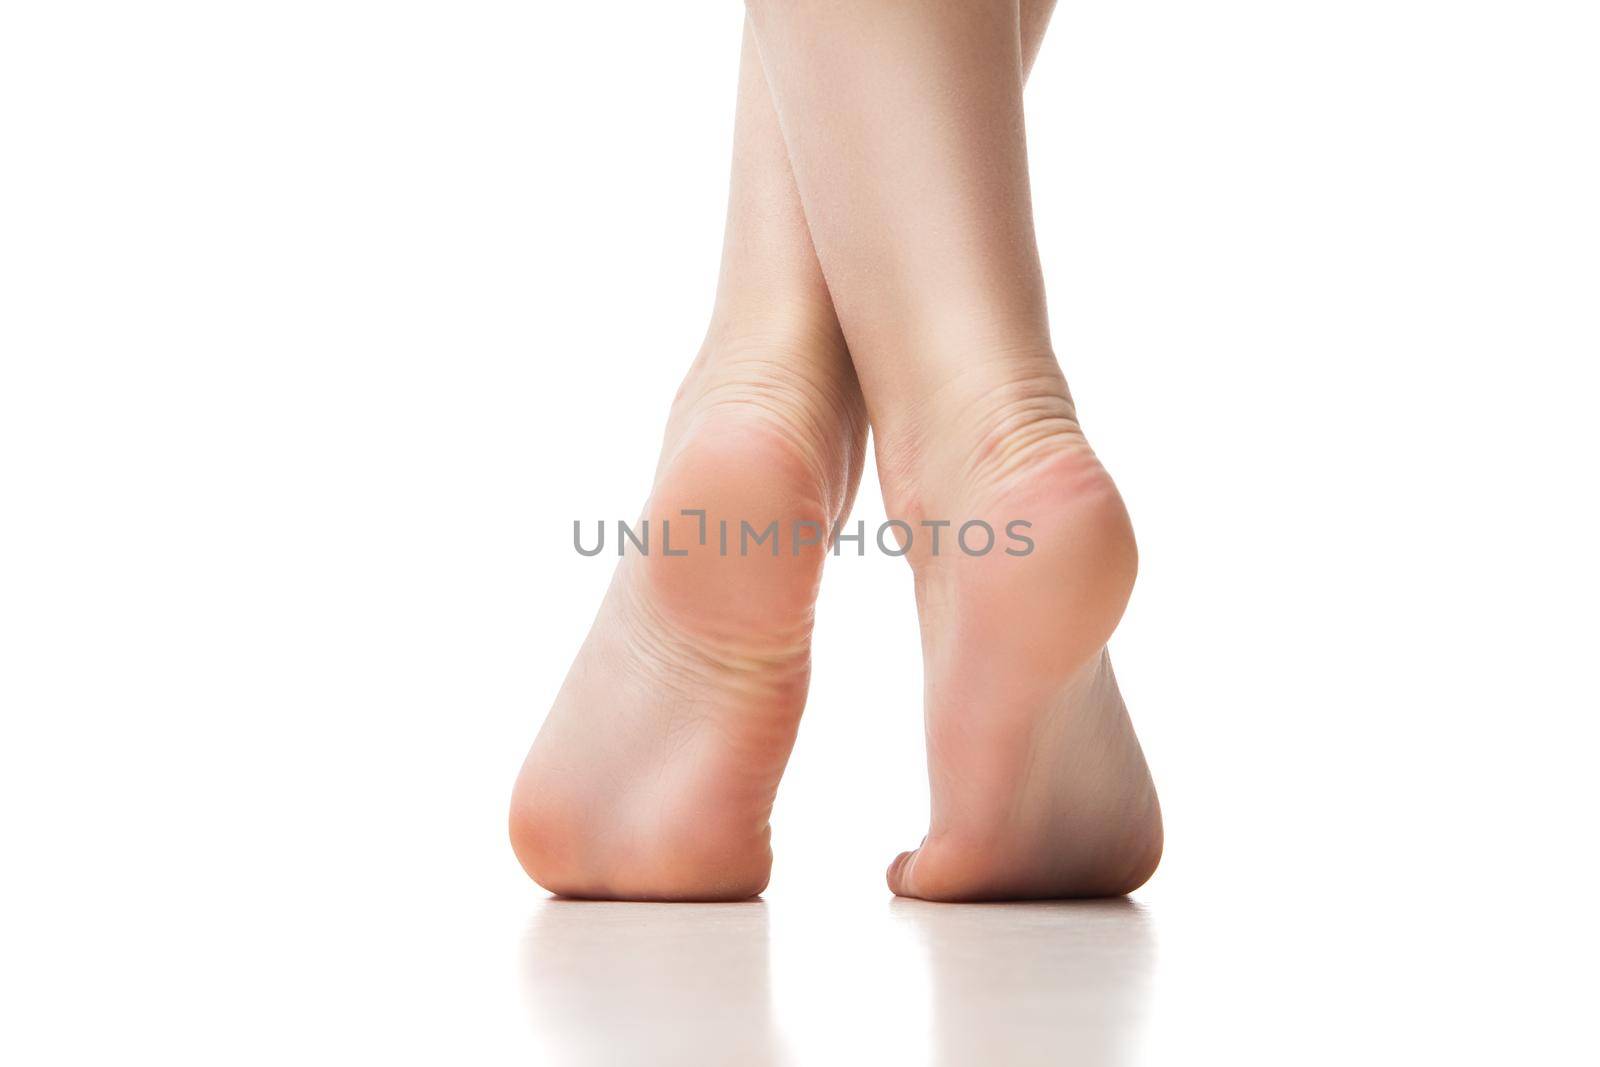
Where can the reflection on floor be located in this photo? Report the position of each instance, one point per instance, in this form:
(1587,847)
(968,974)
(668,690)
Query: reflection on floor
(651,983)
(1058,982)
(692,984)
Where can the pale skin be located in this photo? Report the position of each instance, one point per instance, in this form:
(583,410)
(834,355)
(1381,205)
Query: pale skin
(656,771)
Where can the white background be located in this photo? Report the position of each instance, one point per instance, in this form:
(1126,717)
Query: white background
(320,322)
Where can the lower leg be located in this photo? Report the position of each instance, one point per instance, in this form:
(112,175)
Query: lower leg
(905,122)
(655,772)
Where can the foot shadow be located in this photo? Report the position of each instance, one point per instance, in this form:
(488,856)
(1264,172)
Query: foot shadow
(610,983)
(1050,982)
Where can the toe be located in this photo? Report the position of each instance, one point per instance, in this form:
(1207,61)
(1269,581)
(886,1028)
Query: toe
(900,874)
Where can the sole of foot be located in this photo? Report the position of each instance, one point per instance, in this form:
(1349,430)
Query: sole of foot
(655,773)
(1039,788)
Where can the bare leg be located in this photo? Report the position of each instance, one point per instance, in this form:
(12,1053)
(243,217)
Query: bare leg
(655,772)
(904,129)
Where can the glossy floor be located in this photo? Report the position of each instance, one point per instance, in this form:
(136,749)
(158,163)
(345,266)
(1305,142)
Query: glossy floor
(1106,982)
(1015,983)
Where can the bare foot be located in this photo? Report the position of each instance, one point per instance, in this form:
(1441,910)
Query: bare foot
(1039,787)
(655,773)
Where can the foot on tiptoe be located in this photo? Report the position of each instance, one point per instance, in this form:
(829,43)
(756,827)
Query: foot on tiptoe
(1039,788)
(654,775)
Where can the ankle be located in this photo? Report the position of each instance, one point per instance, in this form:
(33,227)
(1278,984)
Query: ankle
(794,322)
(987,426)
(780,370)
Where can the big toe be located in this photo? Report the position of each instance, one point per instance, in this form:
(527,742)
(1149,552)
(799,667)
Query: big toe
(900,874)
